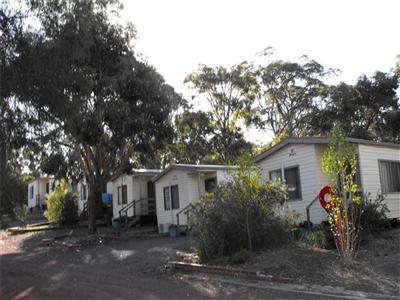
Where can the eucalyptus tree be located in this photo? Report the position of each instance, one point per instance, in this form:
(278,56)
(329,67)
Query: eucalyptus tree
(230,94)
(370,109)
(288,95)
(89,93)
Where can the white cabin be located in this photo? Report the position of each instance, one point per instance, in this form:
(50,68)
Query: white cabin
(181,185)
(298,162)
(137,187)
(38,188)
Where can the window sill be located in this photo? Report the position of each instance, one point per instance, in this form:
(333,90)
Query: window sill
(294,200)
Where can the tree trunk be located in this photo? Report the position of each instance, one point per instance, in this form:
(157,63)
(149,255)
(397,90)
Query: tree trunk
(91,206)
(3,166)
(248,231)
(96,187)
(99,189)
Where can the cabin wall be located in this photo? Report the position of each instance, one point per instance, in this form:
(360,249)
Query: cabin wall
(308,158)
(188,193)
(369,157)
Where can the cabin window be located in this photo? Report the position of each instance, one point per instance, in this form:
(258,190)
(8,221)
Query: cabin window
(210,184)
(389,173)
(167,204)
(175,197)
(31,192)
(122,194)
(47,188)
(83,192)
(150,189)
(275,175)
(292,177)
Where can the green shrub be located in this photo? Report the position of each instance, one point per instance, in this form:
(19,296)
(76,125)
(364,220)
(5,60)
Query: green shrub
(239,215)
(373,217)
(20,213)
(61,205)
(317,239)
(240,257)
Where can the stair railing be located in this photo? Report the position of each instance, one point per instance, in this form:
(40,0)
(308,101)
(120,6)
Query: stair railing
(308,211)
(186,210)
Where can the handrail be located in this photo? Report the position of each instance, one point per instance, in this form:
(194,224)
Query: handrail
(133,203)
(308,212)
(185,210)
(125,208)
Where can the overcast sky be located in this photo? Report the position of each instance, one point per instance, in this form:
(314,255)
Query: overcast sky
(354,36)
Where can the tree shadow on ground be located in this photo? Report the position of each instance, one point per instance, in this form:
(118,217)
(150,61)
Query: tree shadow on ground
(101,268)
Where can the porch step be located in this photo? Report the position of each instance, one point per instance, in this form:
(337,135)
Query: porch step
(134,220)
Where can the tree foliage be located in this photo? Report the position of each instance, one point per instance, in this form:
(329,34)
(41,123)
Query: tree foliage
(194,133)
(230,93)
(288,94)
(368,110)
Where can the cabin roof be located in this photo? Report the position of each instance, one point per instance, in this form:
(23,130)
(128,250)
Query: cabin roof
(317,140)
(193,167)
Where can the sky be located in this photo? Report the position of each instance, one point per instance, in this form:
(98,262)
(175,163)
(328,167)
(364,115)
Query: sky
(175,36)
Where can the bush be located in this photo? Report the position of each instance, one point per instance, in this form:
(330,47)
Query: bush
(373,217)
(317,239)
(240,257)
(61,205)
(239,216)
(20,213)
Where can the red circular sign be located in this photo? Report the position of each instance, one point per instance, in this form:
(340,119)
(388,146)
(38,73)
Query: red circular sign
(324,196)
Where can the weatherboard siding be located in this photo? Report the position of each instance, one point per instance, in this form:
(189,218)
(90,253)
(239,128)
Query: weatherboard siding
(186,187)
(308,159)
(370,179)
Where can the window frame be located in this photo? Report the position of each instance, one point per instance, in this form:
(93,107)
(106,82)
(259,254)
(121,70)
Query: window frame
(275,170)
(120,194)
(32,192)
(299,180)
(83,192)
(124,194)
(214,179)
(380,176)
(167,202)
(172,200)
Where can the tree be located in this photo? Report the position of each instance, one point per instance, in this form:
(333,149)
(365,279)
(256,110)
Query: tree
(340,164)
(230,92)
(288,94)
(368,110)
(13,118)
(194,131)
(79,75)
